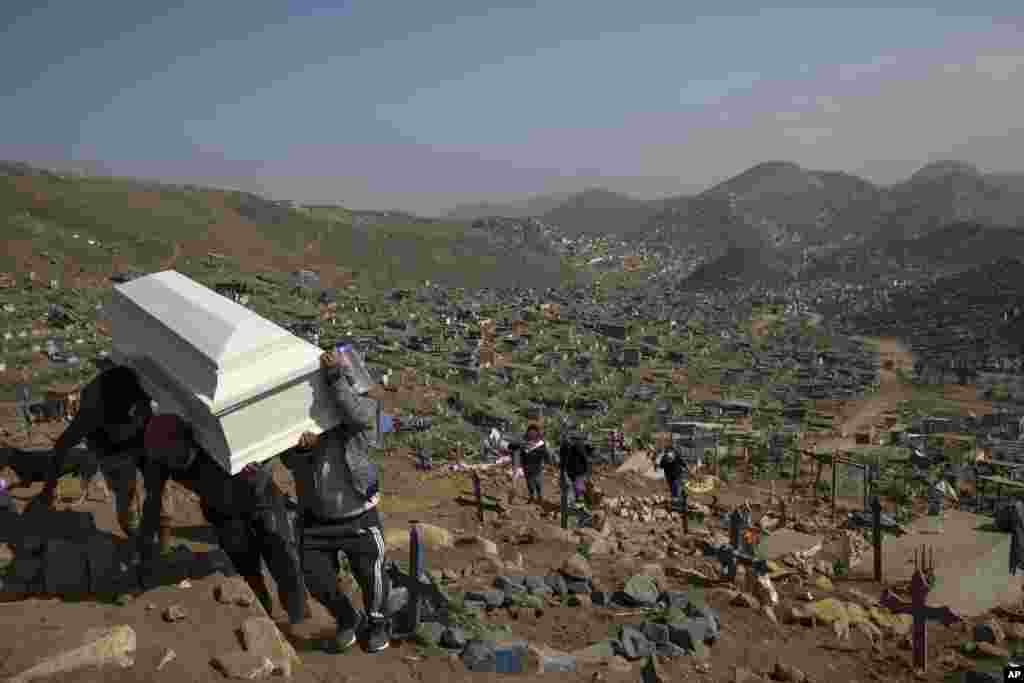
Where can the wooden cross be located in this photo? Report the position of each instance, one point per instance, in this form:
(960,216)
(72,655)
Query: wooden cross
(479,494)
(918,608)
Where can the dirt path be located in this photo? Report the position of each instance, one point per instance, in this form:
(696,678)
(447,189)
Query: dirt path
(858,415)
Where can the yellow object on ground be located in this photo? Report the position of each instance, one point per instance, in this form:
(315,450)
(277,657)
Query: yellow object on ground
(704,484)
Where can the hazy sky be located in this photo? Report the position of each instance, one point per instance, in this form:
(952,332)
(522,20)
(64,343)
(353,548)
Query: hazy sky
(422,105)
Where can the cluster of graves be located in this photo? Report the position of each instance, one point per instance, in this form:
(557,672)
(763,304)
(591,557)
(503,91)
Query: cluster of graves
(953,324)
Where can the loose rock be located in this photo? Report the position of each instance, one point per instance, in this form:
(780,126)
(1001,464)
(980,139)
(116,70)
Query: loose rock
(245,666)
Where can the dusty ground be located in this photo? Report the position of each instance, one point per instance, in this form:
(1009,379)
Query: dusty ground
(748,638)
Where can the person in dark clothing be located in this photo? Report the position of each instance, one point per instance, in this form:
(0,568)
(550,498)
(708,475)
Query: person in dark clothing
(575,455)
(112,415)
(248,511)
(529,457)
(675,471)
(338,494)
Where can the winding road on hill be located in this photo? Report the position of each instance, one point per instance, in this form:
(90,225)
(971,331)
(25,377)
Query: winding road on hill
(861,414)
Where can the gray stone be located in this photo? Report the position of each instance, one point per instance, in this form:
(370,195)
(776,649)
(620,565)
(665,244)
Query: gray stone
(544,660)
(985,633)
(32,545)
(475,604)
(557,583)
(495,598)
(98,647)
(261,636)
(453,638)
(27,568)
(480,656)
(642,591)
(537,585)
(578,587)
(175,613)
(635,644)
(655,632)
(675,599)
(101,552)
(600,651)
(600,599)
(65,569)
(510,584)
(688,634)
(980,677)
(244,665)
(235,591)
(669,650)
(699,610)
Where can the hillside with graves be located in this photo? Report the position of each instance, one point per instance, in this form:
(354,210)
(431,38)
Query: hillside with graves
(823,455)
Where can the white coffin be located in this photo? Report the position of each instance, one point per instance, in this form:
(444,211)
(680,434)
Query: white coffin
(249,387)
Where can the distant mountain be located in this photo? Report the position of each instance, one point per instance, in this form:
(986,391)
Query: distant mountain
(948,192)
(601,212)
(952,248)
(531,207)
(959,244)
(782,200)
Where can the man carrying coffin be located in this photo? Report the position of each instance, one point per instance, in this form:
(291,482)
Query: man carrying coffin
(248,511)
(338,495)
(112,415)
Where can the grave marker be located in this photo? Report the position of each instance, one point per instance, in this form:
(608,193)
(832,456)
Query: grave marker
(876,535)
(917,607)
(479,494)
(23,394)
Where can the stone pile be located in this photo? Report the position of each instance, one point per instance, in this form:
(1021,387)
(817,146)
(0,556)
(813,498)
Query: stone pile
(646,508)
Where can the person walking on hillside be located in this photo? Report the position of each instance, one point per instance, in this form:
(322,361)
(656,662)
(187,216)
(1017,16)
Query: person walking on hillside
(574,457)
(248,510)
(674,466)
(528,459)
(338,492)
(112,416)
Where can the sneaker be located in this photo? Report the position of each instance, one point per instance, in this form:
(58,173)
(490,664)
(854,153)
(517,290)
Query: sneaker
(345,637)
(379,636)
(343,640)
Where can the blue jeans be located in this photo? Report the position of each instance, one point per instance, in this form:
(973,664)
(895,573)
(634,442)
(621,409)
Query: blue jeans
(675,487)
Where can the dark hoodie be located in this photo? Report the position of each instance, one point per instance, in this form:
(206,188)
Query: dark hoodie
(531,457)
(112,415)
(574,455)
(673,464)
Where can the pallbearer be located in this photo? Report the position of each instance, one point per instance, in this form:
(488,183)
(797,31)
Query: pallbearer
(113,413)
(338,495)
(248,511)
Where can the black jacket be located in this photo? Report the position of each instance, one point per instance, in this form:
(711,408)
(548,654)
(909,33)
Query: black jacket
(336,480)
(222,496)
(112,416)
(673,464)
(531,461)
(574,456)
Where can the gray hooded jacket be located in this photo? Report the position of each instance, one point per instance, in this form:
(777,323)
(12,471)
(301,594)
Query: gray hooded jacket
(336,480)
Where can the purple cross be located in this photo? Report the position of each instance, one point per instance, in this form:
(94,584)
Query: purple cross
(921,613)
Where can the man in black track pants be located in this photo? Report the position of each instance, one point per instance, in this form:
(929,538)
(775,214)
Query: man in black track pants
(338,494)
(248,511)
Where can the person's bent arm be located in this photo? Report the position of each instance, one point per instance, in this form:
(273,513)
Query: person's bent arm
(87,420)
